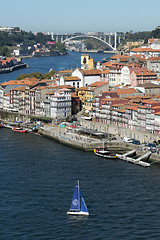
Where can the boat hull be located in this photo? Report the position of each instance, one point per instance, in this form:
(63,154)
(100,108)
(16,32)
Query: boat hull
(78,213)
(107,156)
(19,130)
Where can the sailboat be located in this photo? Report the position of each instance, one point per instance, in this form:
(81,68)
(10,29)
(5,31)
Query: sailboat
(78,206)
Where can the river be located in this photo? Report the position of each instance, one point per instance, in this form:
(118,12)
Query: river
(38,177)
(58,63)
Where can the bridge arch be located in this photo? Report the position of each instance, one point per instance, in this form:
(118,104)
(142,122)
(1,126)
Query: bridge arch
(86,36)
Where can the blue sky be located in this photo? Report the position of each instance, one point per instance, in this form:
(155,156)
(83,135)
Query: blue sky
(69,16)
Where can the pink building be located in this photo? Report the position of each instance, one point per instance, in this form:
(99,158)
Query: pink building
(141,76)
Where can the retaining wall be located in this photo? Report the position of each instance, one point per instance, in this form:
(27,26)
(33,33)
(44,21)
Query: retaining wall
(120,131)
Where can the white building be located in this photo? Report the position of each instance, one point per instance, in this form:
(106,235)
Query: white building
(79,73)
(147,52)
(154,43)
(114,76)
(125,76)
(153,64)
(157,121)
(60,104)
(71,81)
(91,76)
(88,76)
(6,101)
(1,97)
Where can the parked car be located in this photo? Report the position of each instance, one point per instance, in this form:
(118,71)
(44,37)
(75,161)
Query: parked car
(127,140)
(151,145)
(137,142)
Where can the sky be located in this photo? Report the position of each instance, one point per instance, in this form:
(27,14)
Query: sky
(70,16)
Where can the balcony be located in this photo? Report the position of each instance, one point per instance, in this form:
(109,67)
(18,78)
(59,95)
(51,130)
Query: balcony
(142,117)
(150,116)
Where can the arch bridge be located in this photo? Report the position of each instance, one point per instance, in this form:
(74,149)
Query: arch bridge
(110,40)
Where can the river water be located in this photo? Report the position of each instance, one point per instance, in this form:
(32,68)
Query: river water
(58,63)
(37,180)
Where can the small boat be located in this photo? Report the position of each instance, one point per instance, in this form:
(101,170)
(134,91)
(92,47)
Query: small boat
(105,153)
(78,206)
(105,60)
(19,129)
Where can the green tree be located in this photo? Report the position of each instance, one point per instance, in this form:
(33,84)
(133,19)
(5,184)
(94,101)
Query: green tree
(60,47)
(49,74)
(37,75)
(4,51)
(23,76)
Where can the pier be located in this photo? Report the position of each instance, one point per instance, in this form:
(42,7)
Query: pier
(137,161)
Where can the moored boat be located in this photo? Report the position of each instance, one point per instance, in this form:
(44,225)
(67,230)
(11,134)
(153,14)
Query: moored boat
(105,153)
(19,129)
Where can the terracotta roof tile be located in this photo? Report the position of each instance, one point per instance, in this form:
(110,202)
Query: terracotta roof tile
(97,84)
(124,91)
(72,78)
(92,72)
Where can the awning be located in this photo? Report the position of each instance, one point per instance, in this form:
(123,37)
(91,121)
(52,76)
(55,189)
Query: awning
(73,126)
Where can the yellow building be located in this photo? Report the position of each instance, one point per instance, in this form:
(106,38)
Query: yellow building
(81,94)
(92,90)
(23,98)
(87,62)
(88,98)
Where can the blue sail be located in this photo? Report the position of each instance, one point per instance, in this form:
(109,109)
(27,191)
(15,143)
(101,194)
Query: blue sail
(83,205)
(75,200)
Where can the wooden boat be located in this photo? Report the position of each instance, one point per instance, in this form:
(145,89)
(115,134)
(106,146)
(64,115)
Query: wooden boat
(19,129)
(78,206)
(105,153)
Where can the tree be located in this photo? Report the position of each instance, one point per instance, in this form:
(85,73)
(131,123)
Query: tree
(60,47)
(23,76)
(48,75)
(4,51)
(37,75)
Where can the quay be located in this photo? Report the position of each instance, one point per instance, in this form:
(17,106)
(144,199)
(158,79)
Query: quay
(88,142)
(13,68)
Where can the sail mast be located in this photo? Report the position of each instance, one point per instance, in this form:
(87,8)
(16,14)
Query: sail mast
(79,196)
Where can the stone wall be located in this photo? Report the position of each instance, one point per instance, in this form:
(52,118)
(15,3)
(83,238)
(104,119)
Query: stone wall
(120,131)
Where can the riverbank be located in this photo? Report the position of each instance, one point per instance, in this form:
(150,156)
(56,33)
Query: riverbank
(45,55)
(86,143)
(97,51)
(77,138)
(13,68)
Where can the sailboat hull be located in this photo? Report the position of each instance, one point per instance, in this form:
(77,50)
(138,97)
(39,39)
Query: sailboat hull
(78,213)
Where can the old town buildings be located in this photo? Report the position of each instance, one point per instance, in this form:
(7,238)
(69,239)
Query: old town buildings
(124,91)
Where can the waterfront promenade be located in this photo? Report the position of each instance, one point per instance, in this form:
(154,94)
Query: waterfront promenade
(72,137)
(76,140)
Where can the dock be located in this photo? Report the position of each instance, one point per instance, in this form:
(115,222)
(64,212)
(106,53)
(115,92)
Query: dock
(127,154)
(137,161)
